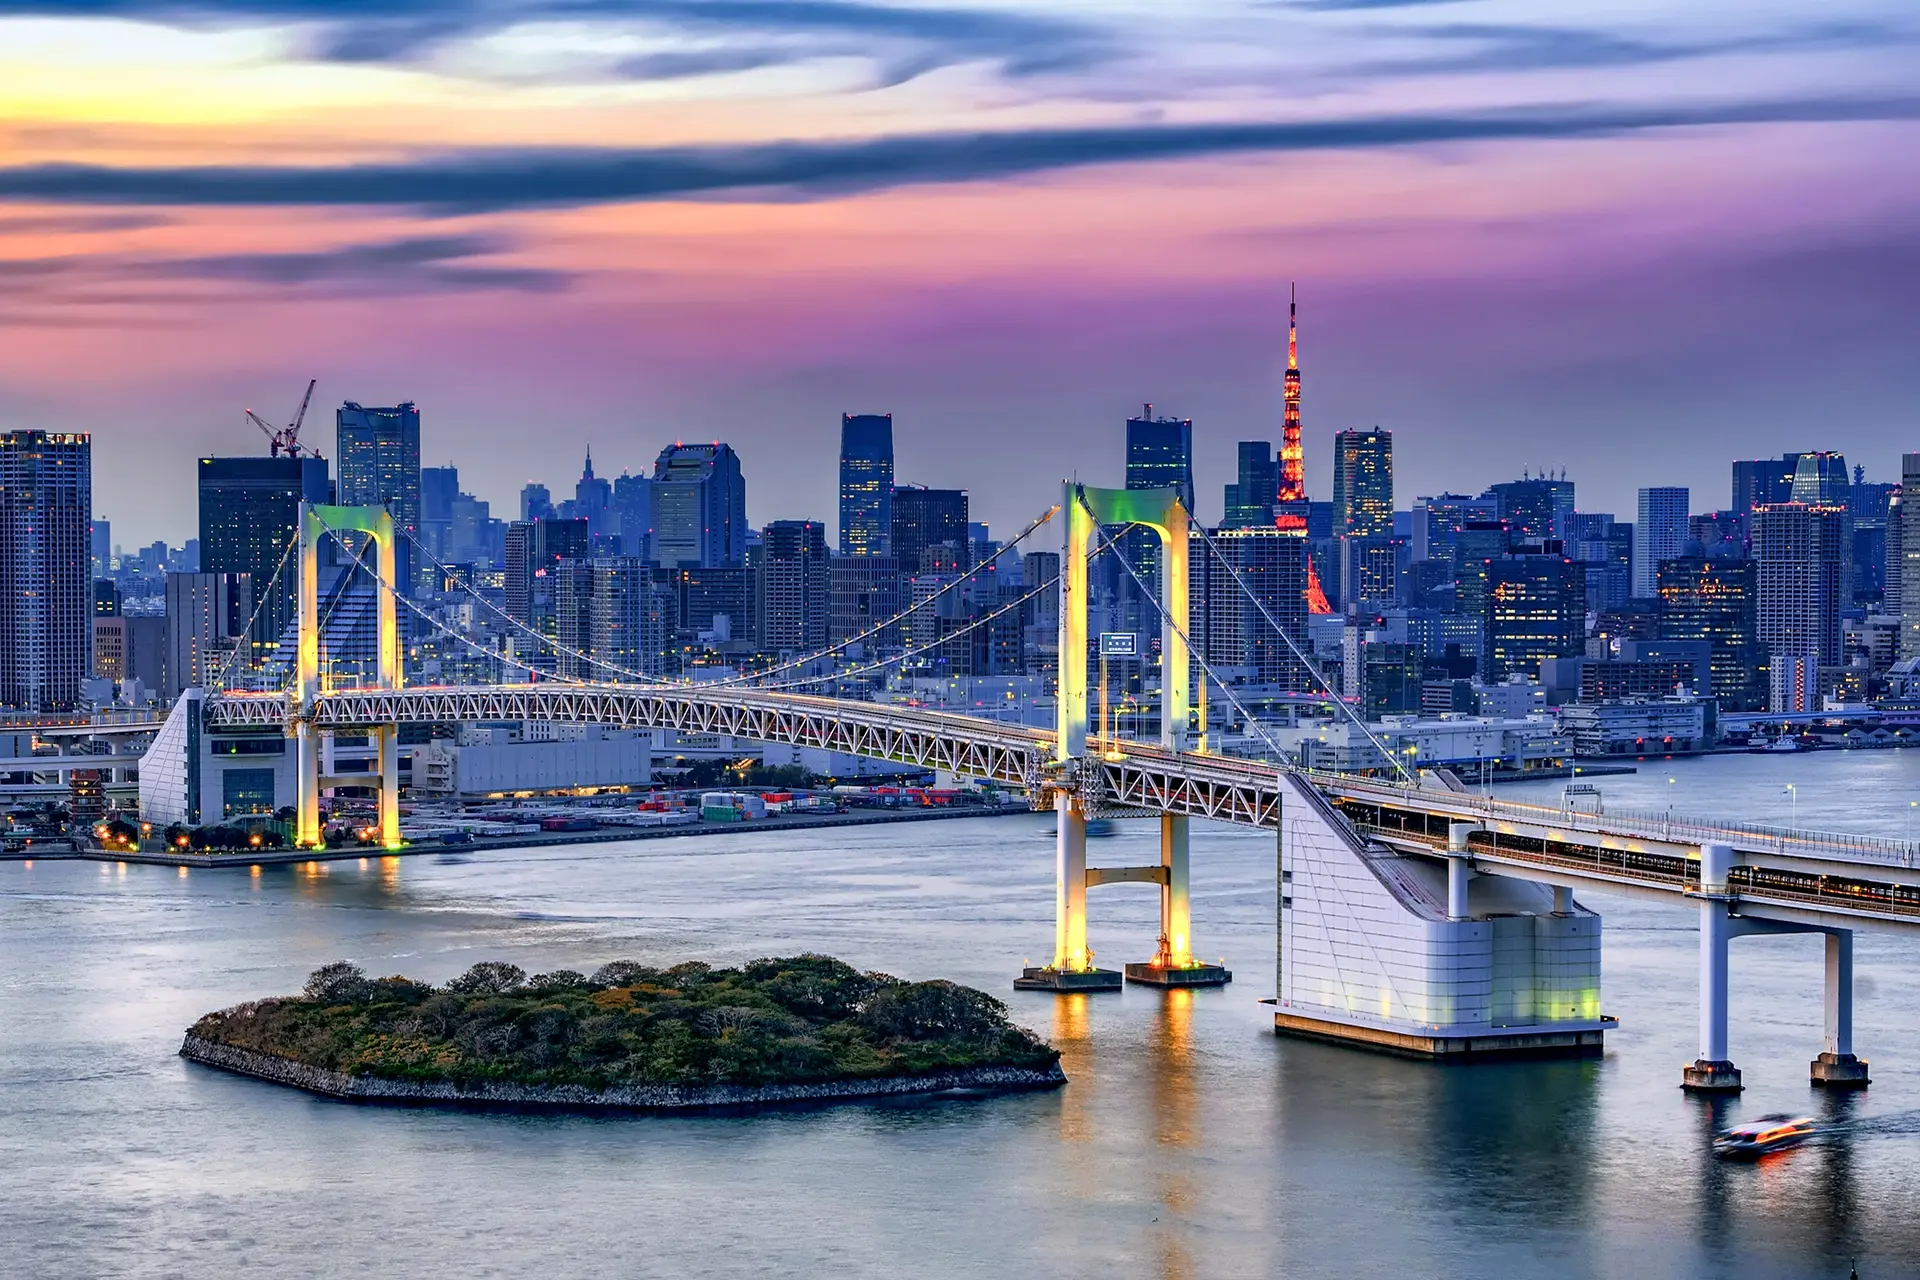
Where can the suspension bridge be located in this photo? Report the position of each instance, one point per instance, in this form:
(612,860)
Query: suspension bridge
(1411,914)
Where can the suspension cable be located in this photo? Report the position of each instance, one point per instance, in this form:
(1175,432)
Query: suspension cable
(934,644)
(1206,668)
(877,628)
(441,627)
(246,634)
(640,676)
(1312,667)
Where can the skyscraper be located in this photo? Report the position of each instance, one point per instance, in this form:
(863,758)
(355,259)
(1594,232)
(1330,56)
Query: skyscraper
(206,622)
(1363,484)
(379,458)
(1907,578)
(593,502)
(249,515)
(439,486)
(1250,499)
(866,484)
(1820,479)
(1760,482)
(536,502)
(926,518)
(1536,609)
(1231,629)
(1160,454)
(791,587)
(46,584)
(1714,600)
(633,509)
(699,507)
(1536,507)
(1660,533)
(1800,558)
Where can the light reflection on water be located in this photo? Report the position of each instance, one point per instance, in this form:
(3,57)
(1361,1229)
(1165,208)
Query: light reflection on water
(1190,1143)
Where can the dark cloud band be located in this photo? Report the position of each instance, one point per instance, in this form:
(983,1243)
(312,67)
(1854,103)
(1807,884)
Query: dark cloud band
(484,180)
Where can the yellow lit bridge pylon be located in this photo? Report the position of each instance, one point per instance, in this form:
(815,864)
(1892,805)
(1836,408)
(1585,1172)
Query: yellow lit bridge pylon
(1173,964)
(316,521)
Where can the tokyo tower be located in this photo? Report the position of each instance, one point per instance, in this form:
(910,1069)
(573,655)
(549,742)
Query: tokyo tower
(1292,503)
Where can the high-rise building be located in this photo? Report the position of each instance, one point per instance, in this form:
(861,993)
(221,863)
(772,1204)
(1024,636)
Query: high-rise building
(1250,498)
(1160,454)
(1904,586)
(1820,479)
(1264,564)
(439,489)
(249,519)
(207,617)
(1761,482)
(593,502)
(699,507)
(101,543)
(1800,570)
(1536,609)
(46,582)
(1476,545)
(791,587)
(1437,519)
(1660,534)
(866,484)
(862,593)
(378,454)
(1363,484)
(633,511)
(925,519)
(536,502)
(1714,600)
(613,619)
(1536,508)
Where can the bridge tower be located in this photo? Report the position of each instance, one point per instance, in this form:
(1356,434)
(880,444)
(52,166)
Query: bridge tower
(1075,790)
(316,521)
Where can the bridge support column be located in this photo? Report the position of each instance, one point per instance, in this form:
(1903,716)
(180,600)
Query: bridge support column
(1713,1071)
(1173,964)
(386,742)
(1072,968)
(1459,870)
(306,767)
(1837,1068)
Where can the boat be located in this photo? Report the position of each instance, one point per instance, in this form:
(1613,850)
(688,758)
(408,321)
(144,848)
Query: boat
(1764,1137)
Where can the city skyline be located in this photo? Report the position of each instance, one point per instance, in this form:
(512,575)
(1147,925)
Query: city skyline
(984,220)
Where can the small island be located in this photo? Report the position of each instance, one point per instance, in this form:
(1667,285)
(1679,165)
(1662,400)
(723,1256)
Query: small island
(803,1028)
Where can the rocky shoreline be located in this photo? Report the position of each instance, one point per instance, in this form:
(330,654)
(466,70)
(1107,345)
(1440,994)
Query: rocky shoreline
(369,1089)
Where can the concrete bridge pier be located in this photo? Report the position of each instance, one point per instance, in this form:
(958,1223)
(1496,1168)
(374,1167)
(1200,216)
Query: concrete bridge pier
(1837,1067)
(1072,968)
(1713,1071)
(1173,964)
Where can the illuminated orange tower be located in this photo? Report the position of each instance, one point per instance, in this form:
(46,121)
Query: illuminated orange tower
(1293,471)
(1291,507)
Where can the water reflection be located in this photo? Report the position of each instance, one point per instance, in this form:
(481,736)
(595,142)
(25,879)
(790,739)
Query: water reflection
(1175,1125)
(1071,1037)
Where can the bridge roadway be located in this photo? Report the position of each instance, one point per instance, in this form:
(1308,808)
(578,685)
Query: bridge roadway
(1798,876)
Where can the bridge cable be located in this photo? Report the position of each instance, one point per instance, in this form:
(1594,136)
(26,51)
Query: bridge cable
(471,643)
(934,644)
(641,677)
(246,634)
(1312,666)
(896,618)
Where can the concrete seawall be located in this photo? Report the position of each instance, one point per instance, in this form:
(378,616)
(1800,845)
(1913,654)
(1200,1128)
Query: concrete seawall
(370,1089)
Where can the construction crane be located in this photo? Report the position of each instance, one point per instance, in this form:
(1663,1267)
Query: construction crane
(287,439)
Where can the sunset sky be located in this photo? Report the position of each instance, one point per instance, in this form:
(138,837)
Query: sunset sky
(1633,240)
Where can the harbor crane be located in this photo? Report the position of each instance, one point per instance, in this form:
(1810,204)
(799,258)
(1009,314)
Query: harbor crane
(287,439)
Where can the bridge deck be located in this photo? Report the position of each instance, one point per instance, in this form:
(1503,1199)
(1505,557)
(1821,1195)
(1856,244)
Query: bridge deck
(1857,874)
